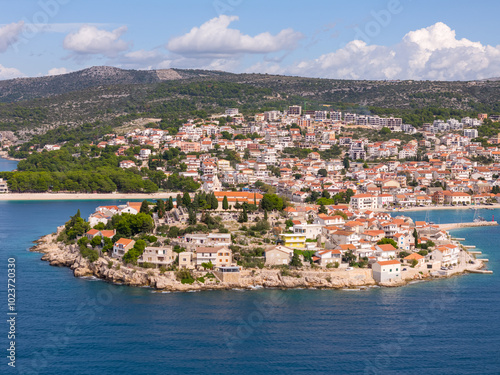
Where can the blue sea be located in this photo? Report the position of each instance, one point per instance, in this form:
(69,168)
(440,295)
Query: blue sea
(68,325)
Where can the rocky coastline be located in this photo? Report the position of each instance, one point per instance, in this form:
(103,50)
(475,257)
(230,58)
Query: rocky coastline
(111,270)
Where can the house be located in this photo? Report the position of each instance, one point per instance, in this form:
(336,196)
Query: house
(278,255)
(311,231)
(387,270)
(159,256)
(326,257)
(323,219)
(187,260)
(295,241)
(121,246)
(364,202)
(220,256)
(385,251)
(127,164)
(446,254)
(415,256)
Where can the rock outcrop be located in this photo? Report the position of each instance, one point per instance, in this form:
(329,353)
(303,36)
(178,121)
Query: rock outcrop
(112,270)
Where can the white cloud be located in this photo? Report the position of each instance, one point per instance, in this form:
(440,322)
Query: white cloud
(432,53)
(57,71)
(9,34)
(214,38)
(9,73)
(91,40)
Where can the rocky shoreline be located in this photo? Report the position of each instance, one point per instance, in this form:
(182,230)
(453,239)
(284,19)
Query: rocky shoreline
(111,270)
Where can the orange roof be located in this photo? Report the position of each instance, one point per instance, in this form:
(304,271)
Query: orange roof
(108,233)
(388,262)
(124,241)
(412,256)
(92,232)
(387,247)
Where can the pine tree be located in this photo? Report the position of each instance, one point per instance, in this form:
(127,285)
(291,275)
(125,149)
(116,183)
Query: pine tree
(214,202)
(322,209)
(192,217)
(170,204)
(225,204)
(178,200)
(265,215)
(160,208)
(186,199)
(243,218)
(145,207)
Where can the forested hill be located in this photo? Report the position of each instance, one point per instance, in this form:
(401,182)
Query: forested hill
(91,102)
(38,87)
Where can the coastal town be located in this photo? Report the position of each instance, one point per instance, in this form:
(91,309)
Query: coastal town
(290,193)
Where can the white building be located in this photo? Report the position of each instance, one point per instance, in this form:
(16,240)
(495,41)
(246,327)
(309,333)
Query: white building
(388,270)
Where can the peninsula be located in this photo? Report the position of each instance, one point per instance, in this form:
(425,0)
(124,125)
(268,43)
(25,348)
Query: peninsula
(170,248)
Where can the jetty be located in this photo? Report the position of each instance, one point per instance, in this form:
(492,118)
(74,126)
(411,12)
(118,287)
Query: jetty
(467,225)
(480,271)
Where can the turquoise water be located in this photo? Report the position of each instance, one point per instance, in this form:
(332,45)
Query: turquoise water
(81,326)
(7,165)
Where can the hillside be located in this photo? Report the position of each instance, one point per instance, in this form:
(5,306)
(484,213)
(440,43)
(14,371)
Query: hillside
(102,98)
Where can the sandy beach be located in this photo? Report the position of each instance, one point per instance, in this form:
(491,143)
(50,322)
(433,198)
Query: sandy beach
(81,196)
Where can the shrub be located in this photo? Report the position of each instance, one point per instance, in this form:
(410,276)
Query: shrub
(185,276)
(89,254)
(110,264)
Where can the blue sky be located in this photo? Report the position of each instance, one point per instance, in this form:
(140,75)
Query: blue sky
(389,39)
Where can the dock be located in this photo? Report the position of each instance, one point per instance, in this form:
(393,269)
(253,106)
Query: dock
(480,271)
(475,252)
(469,246)
(457,239)
(467,225)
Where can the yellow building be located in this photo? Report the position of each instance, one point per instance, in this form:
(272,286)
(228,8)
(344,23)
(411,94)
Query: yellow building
(294,241)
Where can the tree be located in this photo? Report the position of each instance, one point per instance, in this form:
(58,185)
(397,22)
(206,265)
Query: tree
(134,253)
(225,204)
(415,236)
(208,266)
(296,262)
(214,203)
(186,200)
(96,241)
(160,208)
(414,262)
(385,130)
(345,162)
(243,218)
(386,240)
(270,202)
(178,200)
(322,209)
(192,217)
(144,207)
(170,204)
(323,172)
(265,215)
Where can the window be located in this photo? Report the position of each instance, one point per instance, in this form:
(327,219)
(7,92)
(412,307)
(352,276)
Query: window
(397,269)
(390,270)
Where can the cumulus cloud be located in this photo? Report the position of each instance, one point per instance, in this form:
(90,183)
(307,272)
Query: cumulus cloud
(57,71)
(90,40)
(9,73)
(9,34)
(432,53)
(215,38)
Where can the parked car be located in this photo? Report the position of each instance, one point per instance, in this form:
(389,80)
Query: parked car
(349,269)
